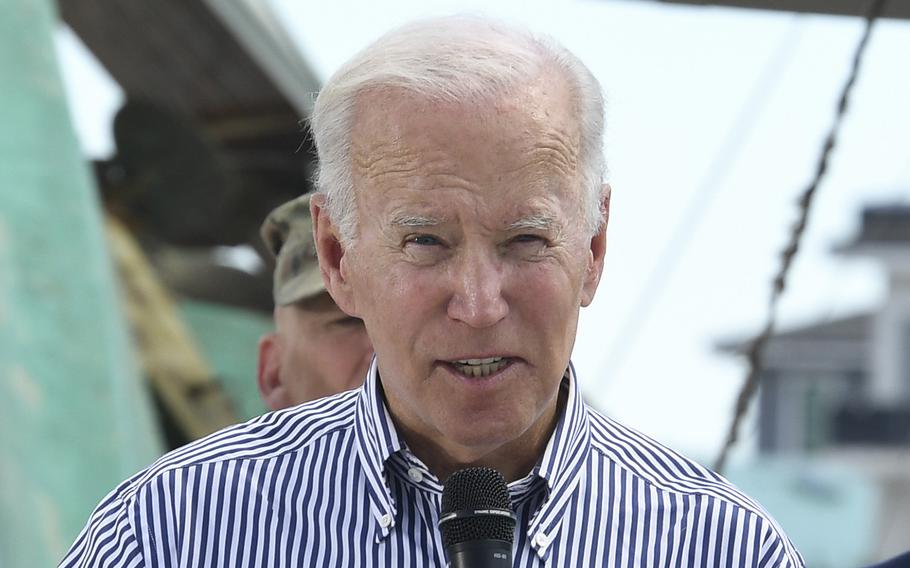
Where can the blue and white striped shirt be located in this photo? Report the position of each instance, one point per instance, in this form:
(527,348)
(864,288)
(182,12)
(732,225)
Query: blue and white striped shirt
(330,483)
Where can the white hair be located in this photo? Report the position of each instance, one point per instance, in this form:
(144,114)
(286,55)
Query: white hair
(451,59)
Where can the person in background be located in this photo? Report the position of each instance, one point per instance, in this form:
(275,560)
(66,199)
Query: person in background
(316,349)
(900,561)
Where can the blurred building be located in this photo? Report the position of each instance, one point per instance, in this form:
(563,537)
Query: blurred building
(839,390)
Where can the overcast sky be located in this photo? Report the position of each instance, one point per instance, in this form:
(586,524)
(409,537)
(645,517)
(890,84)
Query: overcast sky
(715,122)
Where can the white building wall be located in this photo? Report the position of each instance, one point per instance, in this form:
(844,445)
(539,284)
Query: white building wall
(890,382)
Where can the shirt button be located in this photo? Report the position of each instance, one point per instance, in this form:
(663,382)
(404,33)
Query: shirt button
(385,521)
(541,539)
(415,474)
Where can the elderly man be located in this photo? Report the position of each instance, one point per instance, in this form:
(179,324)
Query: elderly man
(462,216)
(317,349)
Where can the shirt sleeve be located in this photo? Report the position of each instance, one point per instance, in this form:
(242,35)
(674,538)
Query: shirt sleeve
(108,539)
(777,551)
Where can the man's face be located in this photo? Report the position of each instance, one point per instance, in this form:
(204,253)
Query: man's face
(470,263)
(317,350)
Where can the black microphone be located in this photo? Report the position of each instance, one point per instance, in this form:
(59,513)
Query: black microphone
(476,521)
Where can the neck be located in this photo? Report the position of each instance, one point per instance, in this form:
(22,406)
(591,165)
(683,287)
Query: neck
(514,459)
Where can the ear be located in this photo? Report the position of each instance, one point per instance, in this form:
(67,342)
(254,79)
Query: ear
(268,373)
(597,252)
(332,256)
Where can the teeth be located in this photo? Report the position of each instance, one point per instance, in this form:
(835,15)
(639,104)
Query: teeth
(487,361)
(481,367)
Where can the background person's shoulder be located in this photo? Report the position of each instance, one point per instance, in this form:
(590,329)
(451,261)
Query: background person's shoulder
(902,561)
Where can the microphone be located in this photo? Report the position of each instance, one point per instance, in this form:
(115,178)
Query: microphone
(476,521)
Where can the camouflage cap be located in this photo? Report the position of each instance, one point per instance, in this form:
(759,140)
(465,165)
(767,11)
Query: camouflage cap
(288,233)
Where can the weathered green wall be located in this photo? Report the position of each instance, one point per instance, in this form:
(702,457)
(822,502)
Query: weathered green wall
(74,416)
(228,338)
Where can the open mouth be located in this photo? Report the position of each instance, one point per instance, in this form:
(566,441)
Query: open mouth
(479,368)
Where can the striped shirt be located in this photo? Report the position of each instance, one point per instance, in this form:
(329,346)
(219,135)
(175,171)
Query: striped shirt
(331,483)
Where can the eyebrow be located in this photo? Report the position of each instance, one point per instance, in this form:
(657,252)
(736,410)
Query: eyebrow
(414,221)
(533,222)
(540,222)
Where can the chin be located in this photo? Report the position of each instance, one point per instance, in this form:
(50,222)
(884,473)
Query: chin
(479,433)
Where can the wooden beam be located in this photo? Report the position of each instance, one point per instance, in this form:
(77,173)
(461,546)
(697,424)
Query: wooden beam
(172,362)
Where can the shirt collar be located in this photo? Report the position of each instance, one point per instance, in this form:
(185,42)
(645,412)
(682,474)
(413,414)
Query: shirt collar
(559,466)
(377,439)
(562,464)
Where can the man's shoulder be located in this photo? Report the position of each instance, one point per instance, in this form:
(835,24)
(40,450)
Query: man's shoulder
(677,479)
(661,467)
(268,437)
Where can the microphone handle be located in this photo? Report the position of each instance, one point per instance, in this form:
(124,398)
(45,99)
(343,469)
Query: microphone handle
(480,554)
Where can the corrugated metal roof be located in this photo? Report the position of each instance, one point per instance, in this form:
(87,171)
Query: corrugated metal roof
(175,53)
(885,224)
(210,139)
(834,345)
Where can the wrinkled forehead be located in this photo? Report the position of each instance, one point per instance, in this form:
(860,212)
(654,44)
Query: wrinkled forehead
(519,143)
(390,122)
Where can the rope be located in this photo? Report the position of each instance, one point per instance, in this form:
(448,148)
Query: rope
(756,350)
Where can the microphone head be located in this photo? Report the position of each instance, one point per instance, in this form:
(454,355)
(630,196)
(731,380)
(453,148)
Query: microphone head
(476,506)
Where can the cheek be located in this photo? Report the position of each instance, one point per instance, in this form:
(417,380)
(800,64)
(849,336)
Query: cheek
(545,288)
(340,349)
(399,300)
(544,303)
(296,357)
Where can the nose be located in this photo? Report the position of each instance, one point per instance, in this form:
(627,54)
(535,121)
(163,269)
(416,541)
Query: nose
(477,299)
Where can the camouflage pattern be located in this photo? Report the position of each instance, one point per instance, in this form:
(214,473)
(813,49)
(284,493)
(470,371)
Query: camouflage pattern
(288,233)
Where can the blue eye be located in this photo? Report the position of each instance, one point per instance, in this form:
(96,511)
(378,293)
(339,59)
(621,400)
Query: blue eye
(423,240)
